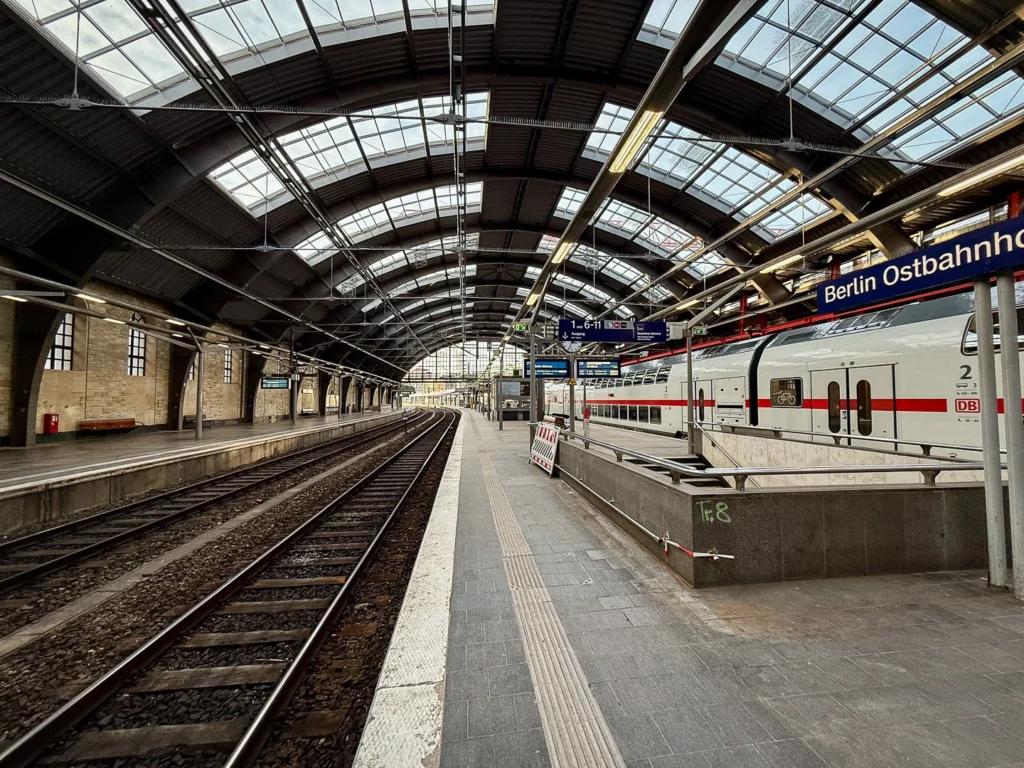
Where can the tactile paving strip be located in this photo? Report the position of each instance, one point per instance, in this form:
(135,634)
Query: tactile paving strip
(575,730)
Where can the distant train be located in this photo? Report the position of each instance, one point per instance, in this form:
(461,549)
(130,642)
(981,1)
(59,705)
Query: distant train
(905,373)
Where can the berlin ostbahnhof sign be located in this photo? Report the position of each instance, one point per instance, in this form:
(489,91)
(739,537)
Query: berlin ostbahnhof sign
(984,251)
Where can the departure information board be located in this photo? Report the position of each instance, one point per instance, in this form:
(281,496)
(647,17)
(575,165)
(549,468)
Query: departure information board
(550,368)
(274,382)
(597,369)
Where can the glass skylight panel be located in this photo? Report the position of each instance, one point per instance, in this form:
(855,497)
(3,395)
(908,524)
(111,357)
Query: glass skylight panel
(895,44)
(362,223)
(726,175)
(622,216)
(315,249)
(326,149)
(112,41)
(570,202)
(802,212)
(667,18)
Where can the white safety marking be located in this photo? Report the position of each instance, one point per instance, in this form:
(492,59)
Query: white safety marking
(403,727)
(575,730)
(60,477)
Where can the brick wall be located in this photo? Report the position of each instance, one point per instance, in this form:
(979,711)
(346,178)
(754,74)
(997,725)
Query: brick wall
(6,352)
(222,400)
(272,404)
(99,386)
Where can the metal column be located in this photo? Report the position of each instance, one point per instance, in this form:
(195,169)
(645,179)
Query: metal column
(990,435)
(689,391)
(572,392)
(337,393)
(199,393)
(533,383)
(500,398)
(1012,422)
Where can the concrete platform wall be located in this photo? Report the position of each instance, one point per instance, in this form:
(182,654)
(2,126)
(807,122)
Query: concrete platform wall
(722,449)
(52,499)
(779,534)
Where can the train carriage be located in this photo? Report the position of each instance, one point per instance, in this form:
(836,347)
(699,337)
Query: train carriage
(902,373)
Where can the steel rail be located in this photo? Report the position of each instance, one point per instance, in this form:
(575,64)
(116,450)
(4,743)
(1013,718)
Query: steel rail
(248,749)
(35,572)
(26,749)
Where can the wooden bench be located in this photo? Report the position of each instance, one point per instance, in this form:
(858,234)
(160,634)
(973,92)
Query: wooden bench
(106,425)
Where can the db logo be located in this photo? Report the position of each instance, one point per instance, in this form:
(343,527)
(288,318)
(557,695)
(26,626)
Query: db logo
(968,405)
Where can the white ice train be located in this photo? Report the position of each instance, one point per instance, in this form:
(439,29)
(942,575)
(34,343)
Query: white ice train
(905,373)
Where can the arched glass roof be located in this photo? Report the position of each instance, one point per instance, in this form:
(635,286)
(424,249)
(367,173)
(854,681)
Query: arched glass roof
(647,230)
(730,180)
(614,268)
(117,45)
(463,360)
(849,67)
(331,150)
(378,218)
(423,281)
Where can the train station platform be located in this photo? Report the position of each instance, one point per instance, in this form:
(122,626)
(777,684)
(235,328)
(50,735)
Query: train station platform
(49,479)
(536,633)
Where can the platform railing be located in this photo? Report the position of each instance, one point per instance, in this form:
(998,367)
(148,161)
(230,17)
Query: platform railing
(740,475)
(926,446)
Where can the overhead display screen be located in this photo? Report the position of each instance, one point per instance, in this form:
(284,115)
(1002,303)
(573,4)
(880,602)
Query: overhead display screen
(597,369)
(550,368)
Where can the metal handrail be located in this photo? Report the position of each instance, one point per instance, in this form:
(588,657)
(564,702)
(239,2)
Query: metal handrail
(727,455)
(677,471)
(925,447)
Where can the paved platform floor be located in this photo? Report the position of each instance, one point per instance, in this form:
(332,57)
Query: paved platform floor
(45,461)
(569,645)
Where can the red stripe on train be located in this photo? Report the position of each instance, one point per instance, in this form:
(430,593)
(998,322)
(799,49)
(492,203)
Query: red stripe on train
(904,404)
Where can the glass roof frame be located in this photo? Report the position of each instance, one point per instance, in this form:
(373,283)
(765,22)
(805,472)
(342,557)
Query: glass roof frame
(611,267)
(340,147)
(845,59)
(398,211)
(118,47)
(721,175)
(656,235)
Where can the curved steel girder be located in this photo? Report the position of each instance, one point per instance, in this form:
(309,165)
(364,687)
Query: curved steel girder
(300,229)
(572,296)
(442,333)
(439,311)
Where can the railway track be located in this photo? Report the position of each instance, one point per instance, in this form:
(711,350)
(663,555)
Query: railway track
(213,682)
(27,559)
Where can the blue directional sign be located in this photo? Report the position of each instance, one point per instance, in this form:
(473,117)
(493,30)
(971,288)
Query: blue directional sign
(651,332)
(615,331)
(595,330)
(984,251)
(587,368)
(274,382)
(550,368)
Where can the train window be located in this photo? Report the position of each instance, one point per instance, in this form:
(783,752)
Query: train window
(787,393)
(622,412)
(620,383)
(632,413)
(649,376)
(642,413)
(969,345)
(655,414)
(662,376)
(700,404)
(864,407)
(834,420)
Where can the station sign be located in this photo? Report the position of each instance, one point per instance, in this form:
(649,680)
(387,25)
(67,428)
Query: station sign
(612,331)
(550,367)
(588,368)
(274,382)
(981,252)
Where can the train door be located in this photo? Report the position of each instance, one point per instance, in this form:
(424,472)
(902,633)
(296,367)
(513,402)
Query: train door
(703,400)
(830,409)
(873,404)
(730,400)
(854,401)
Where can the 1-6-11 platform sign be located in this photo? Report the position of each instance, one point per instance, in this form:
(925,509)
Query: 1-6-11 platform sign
(612,331)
